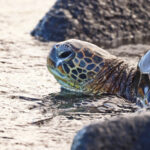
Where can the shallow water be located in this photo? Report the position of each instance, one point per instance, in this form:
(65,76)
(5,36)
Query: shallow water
(34,115)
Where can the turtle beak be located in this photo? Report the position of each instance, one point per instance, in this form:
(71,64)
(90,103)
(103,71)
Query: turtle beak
(144,64)
(52,57)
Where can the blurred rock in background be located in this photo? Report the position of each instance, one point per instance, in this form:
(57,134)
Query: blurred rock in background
(107,23)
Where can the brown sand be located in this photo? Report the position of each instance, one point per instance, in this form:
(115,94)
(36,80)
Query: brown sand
(26,85)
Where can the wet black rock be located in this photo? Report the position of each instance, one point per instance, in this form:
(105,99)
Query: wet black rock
(103,22)
(125,133)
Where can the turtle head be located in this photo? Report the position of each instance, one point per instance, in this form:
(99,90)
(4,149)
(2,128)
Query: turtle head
(74,64)
(144,82)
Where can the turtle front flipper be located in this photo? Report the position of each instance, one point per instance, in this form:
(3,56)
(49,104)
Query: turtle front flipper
(144,63)
(143,91)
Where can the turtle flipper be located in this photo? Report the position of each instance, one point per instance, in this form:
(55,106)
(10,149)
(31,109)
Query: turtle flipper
(144,84)
(144,63)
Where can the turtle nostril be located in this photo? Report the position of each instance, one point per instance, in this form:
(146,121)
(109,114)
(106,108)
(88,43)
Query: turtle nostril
(65,54)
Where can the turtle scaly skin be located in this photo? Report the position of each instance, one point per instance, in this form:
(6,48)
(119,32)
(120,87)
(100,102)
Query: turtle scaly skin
(83,67)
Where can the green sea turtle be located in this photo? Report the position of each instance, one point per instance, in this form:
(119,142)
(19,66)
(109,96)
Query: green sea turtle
(84,67)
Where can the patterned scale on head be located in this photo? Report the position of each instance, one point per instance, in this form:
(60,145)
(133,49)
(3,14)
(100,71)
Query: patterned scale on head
(75,64)
(84,67)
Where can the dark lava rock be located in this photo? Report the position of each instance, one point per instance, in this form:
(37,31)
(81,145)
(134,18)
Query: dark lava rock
(107,23)
(130,133)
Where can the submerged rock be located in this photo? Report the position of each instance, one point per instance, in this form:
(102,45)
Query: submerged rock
(105,23)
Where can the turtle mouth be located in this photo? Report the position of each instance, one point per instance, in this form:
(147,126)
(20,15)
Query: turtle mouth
(52,69)
(57,74)
(64,81)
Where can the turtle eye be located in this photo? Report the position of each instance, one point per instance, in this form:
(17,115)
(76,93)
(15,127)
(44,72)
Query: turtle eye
(65,54)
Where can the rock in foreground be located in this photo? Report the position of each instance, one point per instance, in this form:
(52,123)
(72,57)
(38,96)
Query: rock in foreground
(131,133)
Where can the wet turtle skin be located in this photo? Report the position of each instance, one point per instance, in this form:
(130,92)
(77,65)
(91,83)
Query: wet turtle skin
(83,67)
